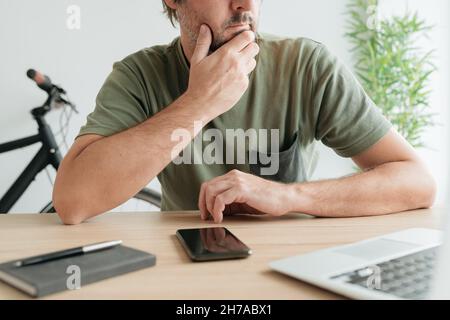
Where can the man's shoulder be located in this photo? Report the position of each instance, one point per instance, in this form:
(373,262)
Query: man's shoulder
(155,57)
(289,54)
(277,43)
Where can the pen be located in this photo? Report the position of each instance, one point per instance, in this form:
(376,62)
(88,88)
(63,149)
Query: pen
(67,253)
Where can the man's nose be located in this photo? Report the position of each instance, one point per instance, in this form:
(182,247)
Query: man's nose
(242,5)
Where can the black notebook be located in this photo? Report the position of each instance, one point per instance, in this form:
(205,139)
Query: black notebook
(58,275)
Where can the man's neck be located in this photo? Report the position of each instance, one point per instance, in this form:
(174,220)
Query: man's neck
(188,46)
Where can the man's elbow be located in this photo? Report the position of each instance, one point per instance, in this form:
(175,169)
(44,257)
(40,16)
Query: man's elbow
(68,210)
(68,217)
(428,191)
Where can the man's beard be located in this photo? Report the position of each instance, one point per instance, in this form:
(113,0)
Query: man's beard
(192,28)
(243,18)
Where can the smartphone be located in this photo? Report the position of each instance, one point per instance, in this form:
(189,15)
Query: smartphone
(212,244)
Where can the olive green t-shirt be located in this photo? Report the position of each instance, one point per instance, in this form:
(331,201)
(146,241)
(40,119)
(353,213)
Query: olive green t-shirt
(298,88)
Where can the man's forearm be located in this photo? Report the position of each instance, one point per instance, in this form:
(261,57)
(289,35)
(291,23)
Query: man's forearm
(389,188)
(111,170)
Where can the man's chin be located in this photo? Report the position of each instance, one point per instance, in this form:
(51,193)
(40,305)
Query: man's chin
(227,37)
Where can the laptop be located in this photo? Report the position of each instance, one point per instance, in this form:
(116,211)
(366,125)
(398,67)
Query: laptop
(410,264)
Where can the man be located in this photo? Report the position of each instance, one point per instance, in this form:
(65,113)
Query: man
(220,74)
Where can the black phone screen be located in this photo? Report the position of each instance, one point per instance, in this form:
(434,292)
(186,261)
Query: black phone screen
(212,244)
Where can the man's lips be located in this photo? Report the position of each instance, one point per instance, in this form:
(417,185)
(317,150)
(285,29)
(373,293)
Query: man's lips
(239,28)
(240,25)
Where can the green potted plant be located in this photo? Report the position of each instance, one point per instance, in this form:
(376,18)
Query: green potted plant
(392,69)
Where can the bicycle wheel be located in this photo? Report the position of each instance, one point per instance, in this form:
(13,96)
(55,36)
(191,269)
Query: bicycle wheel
(149,197)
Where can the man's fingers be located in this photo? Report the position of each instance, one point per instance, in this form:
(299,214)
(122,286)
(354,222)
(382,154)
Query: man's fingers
(212,190)
(203,44)
(226,198)
(202,203)
(208,191)
(251,65)
(249,54)
(250,51)
(239,42)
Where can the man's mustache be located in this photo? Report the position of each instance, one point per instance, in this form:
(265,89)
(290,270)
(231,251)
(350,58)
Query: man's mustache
(240,18)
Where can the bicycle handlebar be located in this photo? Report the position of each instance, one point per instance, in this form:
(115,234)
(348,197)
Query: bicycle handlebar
(41,80)
(44,83)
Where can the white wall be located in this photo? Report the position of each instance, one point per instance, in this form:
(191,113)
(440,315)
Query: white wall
(34,34)
(437,14)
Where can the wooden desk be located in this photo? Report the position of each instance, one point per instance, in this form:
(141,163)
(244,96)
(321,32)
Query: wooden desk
(174,276)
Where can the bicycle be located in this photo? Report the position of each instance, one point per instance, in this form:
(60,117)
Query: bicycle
(49,154)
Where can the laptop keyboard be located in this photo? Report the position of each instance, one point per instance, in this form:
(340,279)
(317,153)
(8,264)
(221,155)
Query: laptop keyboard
(408,277)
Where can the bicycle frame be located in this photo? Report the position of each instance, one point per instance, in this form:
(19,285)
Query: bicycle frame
(47,155)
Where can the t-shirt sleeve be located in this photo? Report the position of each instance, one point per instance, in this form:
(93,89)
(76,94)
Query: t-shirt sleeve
(346,119)
(119,104)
